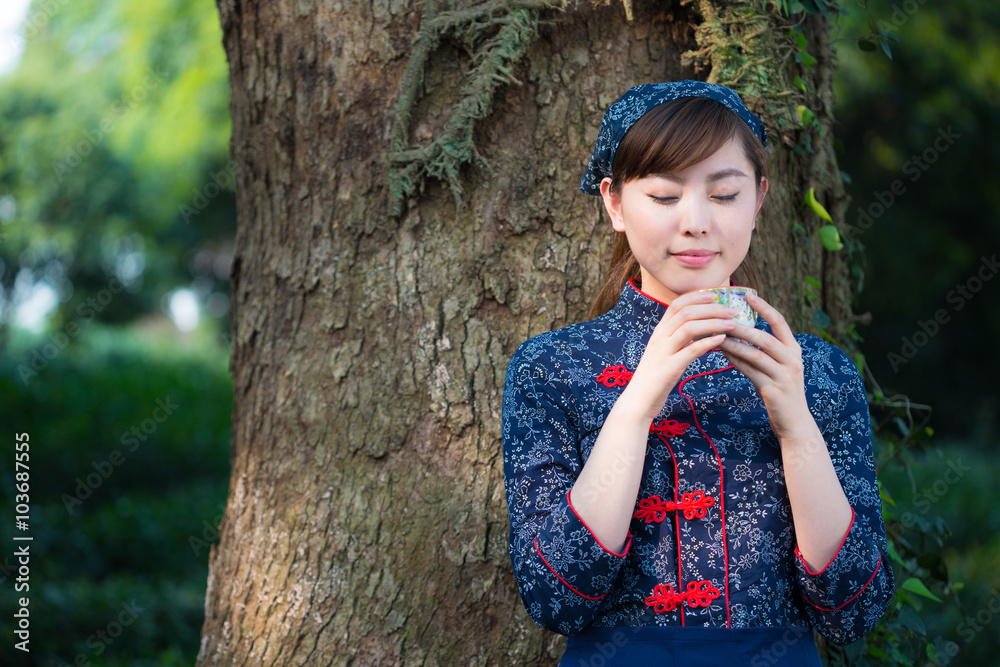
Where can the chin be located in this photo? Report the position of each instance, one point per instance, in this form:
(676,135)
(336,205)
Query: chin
(704,283)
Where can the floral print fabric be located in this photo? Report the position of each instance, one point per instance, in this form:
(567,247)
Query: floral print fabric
(711,542)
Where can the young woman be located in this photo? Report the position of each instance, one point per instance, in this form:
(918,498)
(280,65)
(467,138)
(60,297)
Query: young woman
(683,488)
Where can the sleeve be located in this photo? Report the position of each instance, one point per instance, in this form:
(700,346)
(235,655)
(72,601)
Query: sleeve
(562,569)
(848,595)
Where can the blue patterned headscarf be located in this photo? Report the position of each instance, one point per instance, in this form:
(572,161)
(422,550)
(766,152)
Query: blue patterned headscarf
(631,106)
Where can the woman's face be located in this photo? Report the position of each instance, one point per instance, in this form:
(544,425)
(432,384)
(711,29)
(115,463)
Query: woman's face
(708,207)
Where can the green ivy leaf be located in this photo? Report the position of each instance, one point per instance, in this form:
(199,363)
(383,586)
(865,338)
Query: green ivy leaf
(815,283)
(830,237)
(885,48)
(894,555)
(914,585)
(909,619)
(816,206)
(804,145)
(820,318)
(859,361)
(866,45)
(884,493)
(877,652)
(800,83)
(806,116)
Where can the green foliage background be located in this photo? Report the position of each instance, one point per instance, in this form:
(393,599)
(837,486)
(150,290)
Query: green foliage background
(111,130)
(105,534)
(114,134)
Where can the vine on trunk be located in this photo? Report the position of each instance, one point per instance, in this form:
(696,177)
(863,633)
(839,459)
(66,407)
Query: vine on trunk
(752,46)
(493,60)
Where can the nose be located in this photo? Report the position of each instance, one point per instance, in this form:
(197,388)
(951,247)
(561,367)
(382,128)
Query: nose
(695,217)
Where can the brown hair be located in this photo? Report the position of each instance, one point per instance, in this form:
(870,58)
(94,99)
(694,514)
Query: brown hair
(670,138)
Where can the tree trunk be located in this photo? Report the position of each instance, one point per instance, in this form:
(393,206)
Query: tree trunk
(366,521)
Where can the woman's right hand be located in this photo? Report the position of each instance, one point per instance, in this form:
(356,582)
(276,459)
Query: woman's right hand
(672,347)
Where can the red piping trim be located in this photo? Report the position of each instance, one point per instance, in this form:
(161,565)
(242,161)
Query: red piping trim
(677,523)
(722,488)
(877,565)
(799,553)
(631,282)
(535,541)
(627,543)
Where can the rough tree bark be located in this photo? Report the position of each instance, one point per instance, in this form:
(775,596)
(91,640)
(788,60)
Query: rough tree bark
(366,522)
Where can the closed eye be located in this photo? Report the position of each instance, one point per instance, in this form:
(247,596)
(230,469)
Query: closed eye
(667,200)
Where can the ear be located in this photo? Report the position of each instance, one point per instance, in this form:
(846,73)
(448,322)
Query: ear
(613,204)
(761,192)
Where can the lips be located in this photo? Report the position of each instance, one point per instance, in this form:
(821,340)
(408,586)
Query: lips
(695,257)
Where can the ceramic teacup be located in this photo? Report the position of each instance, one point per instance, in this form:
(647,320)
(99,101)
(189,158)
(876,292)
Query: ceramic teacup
(735,297)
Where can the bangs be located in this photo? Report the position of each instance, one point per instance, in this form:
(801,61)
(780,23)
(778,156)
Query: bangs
(674,136)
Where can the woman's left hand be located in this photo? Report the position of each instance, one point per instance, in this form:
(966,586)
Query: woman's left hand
(775,369)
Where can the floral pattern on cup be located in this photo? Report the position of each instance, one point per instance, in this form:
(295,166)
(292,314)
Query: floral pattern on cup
(736,298)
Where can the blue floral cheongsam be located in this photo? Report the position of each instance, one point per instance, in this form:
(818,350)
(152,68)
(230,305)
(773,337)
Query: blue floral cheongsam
(711,542)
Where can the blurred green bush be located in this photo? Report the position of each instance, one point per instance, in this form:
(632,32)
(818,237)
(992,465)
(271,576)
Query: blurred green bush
(120,540)
(955,483)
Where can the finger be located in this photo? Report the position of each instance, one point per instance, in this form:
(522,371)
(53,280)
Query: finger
(761,339)
(752,374)
(685,300)
(758,360)
(698,347)
(682,305)
(713,313)
(696,330)
(771,315)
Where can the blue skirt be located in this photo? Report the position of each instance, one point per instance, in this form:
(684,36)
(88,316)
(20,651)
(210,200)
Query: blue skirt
(695,646)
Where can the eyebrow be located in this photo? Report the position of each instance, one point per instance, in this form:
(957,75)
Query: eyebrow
(717,176)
